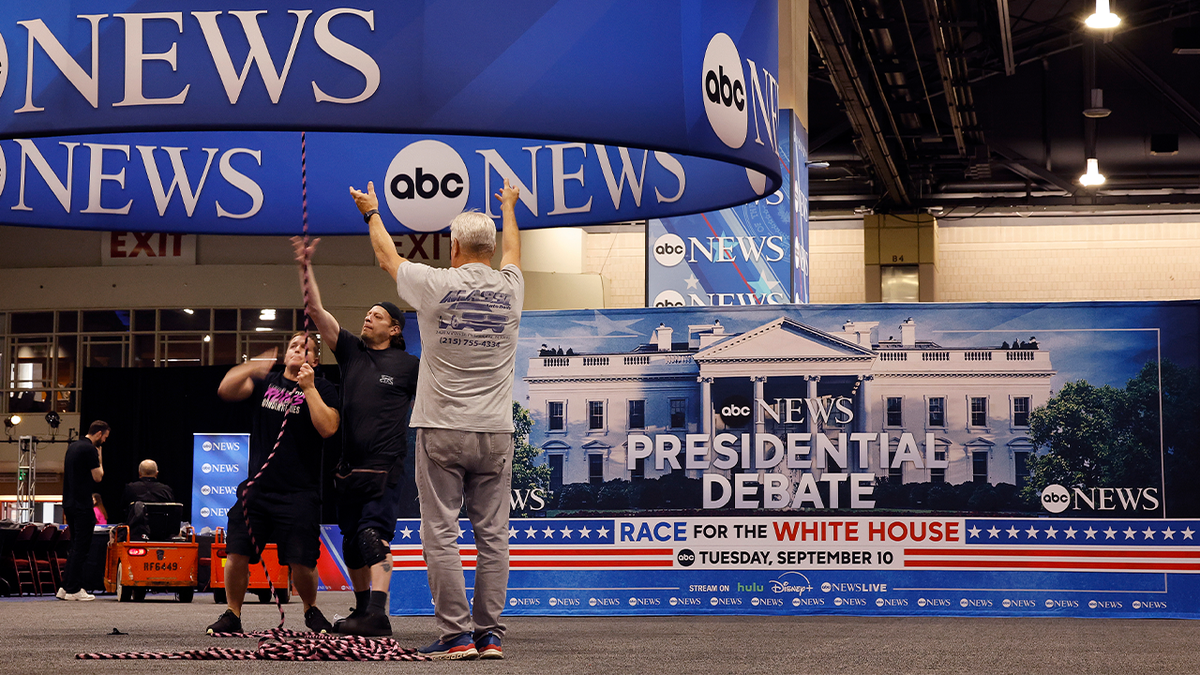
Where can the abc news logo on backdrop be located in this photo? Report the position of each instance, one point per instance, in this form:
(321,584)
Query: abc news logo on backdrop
(427,185)
(207,490)
(725,91)
(669,250)
(735,411)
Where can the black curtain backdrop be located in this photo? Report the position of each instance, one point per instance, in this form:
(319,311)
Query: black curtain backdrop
(155,411)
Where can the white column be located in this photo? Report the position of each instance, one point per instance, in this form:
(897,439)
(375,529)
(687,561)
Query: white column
(706,406)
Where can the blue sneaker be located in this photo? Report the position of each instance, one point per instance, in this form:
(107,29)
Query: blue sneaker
(460,646)
(488,646)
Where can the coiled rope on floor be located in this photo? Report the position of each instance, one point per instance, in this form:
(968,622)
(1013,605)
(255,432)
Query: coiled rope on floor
(282,645)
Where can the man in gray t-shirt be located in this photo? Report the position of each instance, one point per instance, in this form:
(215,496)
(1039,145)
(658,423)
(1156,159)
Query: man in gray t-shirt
(468,316)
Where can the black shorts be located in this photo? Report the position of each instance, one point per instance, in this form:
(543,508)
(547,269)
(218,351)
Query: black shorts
(292,521)
(355,515)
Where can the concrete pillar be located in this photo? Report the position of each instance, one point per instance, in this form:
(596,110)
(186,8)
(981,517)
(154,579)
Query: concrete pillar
(900,241)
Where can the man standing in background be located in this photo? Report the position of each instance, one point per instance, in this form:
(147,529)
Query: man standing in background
(83,467)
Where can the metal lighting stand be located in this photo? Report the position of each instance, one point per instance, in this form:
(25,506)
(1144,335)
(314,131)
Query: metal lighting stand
(26,478)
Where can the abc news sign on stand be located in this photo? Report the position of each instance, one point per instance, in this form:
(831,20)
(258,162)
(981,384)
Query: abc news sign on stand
(219,463)
(120,116)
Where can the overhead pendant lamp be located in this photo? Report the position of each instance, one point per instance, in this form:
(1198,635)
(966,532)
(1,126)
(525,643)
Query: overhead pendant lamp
(1103,18)
(1093,176)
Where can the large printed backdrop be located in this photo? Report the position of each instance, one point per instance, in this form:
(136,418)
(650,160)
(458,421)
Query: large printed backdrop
(1000,459)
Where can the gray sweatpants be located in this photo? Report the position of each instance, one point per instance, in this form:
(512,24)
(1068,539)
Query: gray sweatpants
(454,468)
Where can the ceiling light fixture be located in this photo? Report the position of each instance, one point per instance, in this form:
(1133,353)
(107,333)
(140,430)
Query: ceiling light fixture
(1097,109)
(1093,176)
(1103,18)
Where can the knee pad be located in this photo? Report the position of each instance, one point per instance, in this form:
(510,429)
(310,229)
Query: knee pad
(372,549)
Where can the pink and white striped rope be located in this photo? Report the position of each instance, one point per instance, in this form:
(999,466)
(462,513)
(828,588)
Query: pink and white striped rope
(283,645)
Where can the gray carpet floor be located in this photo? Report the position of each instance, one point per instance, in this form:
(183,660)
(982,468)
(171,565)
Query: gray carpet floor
(42,635)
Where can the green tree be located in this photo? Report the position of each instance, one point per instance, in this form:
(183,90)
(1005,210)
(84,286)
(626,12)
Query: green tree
(1108,437)
(1079,428)
(527,475)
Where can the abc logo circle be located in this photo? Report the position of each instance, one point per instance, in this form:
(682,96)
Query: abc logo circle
(674,601)
(1055,498)
(669,298)
(724,90)
(826,587)
(921,602)
(206,467)
(686,557)
(1007,602)
(207,446)
(735,411)
(1092,604)
(427,185)
(837,601)
(205,490)
(592,602)
(1137,604)
(795,602)
(669,250)
(963,602)
(713,602)
(553,601)
(633,602)
(205,512)
(512,602)
(754,601)
(879,602)
(1049,604)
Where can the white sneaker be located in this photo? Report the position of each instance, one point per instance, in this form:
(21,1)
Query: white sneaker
(61,594)
(81,596)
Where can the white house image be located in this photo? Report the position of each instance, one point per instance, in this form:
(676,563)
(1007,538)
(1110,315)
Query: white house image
(975,401)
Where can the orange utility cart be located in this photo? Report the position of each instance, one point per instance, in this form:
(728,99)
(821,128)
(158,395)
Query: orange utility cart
(134,568)
(258,579)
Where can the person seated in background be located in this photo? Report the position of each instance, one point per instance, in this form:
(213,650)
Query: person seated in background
(147,488)
(98,509)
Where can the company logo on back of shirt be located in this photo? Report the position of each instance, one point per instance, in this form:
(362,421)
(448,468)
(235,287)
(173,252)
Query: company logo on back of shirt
(474,310)
(386,379)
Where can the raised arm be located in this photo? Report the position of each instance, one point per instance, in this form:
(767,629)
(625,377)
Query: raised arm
(385,248)
(326,325)
(238,383)
(512,235)
(325,419)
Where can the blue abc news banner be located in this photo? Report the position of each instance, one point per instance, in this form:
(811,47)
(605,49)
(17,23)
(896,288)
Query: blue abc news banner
(643,110)
(1000,459)
(752,254)
(219,463)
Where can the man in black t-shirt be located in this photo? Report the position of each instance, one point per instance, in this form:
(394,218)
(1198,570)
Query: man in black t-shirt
(83,467)
(283,503)
(379,380)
